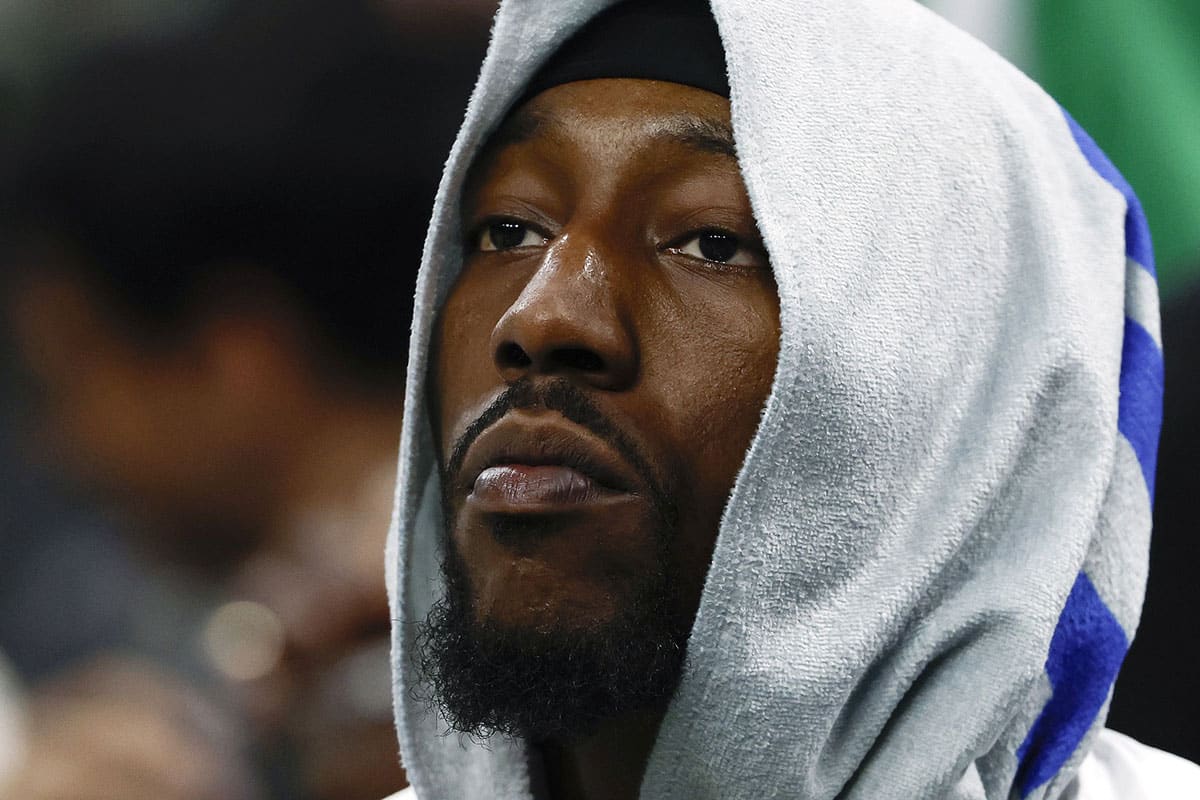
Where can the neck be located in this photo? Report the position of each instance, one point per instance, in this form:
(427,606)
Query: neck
(607,765)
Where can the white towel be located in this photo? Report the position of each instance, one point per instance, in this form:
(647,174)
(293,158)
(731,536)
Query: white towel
(933,558)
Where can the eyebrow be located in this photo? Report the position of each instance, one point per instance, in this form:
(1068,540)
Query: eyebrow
(700,133)
(691,130)
(521,127)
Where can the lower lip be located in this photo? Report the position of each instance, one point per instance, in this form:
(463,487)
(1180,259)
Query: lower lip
(517,487)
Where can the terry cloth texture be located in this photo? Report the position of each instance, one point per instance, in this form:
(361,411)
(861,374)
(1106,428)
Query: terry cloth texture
(933,559)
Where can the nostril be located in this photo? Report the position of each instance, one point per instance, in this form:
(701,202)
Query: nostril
(578,358)
(510,355)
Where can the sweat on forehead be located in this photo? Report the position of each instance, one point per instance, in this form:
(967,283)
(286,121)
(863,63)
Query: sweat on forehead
(709,132)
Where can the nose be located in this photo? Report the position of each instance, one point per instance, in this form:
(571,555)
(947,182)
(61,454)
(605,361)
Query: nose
(571,320)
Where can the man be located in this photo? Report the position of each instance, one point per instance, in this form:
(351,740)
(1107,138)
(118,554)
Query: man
(771,443)
(205,234)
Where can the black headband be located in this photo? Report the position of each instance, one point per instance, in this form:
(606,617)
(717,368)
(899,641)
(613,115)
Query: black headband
(662,40)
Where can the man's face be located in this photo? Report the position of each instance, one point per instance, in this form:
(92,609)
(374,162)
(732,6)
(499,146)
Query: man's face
(603,359)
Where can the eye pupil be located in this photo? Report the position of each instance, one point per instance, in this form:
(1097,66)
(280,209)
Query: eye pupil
(505,235)
(719,247)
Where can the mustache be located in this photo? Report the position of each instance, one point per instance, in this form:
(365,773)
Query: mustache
(574,405)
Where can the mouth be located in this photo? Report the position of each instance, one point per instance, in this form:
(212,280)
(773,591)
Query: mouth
(539,462)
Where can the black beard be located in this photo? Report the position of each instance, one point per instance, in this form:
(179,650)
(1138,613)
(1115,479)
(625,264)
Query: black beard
(552,682)
(549,684)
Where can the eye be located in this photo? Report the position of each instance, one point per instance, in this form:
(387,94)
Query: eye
(718,247)
(507,235)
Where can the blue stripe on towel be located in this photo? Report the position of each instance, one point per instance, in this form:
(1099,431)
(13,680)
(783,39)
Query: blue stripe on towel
(1085,654)
(1088,644)
(1139,412)
(1137,231)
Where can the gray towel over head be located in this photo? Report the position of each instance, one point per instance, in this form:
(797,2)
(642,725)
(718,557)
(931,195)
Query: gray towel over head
(933,559)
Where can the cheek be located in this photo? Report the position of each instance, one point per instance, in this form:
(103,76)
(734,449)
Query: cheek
(722,358)
(714,384)
(462,362)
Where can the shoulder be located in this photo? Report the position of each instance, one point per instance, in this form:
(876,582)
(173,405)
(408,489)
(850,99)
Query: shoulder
(403,794)
(1119,768)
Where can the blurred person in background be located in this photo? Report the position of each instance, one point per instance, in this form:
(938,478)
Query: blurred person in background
(205,236)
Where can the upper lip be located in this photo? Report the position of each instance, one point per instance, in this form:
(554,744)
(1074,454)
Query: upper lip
(546,438)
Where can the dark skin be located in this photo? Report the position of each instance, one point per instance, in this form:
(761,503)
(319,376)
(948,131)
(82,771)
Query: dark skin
(611,244)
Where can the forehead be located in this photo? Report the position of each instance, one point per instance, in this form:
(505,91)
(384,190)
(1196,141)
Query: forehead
(618,114)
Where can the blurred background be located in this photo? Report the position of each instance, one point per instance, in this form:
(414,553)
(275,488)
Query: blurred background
(211,214)
(211,217)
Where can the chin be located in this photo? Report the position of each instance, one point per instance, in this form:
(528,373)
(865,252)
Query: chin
(533,595)
(523,647)
(542,573)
